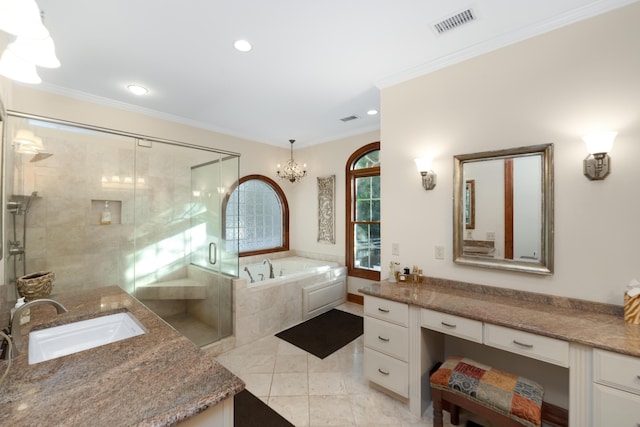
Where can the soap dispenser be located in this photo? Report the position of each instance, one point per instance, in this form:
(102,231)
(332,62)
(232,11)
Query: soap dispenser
(105,218)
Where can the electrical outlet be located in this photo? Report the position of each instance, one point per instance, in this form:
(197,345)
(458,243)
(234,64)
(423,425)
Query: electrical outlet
(491,235)
(439,252)
(395,249)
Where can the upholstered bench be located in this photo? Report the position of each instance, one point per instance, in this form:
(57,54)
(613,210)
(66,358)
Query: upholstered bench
(500,397)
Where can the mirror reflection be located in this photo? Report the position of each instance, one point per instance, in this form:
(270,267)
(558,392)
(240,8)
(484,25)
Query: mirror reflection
(503,209)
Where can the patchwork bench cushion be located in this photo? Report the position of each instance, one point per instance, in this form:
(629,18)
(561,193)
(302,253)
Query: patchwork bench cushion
(516,397)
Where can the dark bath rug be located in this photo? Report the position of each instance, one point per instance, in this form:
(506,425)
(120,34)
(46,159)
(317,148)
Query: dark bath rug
(250,411)
(325,333)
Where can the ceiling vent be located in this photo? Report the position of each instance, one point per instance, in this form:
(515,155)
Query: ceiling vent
(349,118)
(454,21)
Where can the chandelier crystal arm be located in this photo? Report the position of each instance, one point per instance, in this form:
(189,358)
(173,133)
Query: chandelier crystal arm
(292,171)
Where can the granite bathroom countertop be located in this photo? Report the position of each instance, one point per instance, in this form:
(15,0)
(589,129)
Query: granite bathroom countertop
(593,324)
(156,379)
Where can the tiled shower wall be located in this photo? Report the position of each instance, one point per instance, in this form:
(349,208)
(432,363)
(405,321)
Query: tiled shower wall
(63,221)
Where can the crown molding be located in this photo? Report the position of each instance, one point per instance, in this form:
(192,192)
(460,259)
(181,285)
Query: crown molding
(504,40)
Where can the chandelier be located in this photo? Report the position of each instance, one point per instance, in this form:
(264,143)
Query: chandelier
(292,171)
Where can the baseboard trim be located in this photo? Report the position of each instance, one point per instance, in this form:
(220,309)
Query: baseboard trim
(354,298)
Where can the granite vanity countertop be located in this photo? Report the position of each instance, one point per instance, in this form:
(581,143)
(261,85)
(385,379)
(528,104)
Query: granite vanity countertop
(156,379)
(593,324)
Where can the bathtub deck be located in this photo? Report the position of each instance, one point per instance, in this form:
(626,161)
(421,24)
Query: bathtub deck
(182,289)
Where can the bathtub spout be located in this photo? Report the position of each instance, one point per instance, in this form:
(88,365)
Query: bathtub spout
(249,273)
(268,261)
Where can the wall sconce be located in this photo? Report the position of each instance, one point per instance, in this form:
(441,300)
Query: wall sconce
(428,176)
(596,164)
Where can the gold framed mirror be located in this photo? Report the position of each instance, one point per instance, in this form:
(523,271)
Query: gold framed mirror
(503,209)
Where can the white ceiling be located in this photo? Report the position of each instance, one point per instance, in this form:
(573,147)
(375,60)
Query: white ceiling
(313,61)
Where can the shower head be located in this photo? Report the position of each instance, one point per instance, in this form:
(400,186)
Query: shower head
(40,156)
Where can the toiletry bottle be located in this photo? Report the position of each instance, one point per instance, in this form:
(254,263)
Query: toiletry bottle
(105,218)
(25,316)
(19,302)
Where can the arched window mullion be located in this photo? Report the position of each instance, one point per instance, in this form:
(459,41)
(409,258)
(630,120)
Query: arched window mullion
(362,164)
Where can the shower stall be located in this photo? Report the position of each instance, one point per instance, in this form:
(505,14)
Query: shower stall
(100,207)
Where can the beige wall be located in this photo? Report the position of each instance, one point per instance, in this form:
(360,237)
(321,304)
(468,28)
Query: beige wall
(323,160)
(550,89)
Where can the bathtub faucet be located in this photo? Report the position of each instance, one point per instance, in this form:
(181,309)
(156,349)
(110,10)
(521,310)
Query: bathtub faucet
(268,261)
(249,273)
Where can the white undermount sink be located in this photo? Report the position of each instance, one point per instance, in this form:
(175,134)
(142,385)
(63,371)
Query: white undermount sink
(58,341)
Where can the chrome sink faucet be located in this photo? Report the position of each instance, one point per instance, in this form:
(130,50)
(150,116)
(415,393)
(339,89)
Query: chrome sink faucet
(268,261)
(15,334)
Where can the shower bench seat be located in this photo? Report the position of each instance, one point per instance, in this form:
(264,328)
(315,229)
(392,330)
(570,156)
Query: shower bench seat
(172,289)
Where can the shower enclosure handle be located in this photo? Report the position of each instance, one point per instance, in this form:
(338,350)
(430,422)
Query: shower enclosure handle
(215,253)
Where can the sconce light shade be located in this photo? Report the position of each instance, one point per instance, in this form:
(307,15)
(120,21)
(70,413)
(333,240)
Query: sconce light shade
(596,164)
(22,18)
(599,142)
(428,176)
(27,142)
(41,52)
(16,68)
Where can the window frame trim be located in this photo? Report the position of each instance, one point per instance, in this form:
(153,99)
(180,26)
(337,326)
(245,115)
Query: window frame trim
(284,206)
(351,174)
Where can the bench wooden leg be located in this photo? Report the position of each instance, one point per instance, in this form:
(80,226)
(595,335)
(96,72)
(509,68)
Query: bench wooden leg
(454,410)
(436,397)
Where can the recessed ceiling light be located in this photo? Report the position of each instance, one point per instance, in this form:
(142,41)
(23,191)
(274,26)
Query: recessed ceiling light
(138,90)
(242,45)
(372,112)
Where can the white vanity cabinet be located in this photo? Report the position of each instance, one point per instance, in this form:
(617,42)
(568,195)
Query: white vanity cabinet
(616,389)
(386,342)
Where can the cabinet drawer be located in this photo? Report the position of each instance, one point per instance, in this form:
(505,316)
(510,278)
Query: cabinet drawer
(386,371)
(452,325)
(539,347)
(616,370)
(387,338)
(383,309)
(613,407)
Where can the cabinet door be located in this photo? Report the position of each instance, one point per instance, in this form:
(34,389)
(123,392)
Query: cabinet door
(616,370)
(535,346)
(387,338)
(386,371)
(452,325)
(614,407)
(387,310)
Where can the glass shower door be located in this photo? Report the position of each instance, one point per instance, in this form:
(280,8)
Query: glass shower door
(181,255)
(210,184)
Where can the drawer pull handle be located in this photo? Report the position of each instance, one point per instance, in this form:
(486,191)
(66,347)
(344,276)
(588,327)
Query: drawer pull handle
(383,339)
(448,325)
(383,372)
(384,310)
(516,342)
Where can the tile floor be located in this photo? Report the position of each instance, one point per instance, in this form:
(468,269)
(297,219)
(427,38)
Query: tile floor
(314,392)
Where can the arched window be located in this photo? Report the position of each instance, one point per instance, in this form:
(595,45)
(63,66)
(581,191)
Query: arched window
(263,216)
(363,212)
